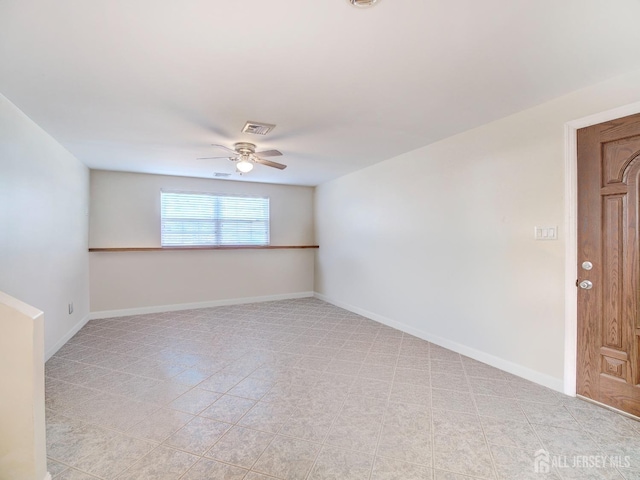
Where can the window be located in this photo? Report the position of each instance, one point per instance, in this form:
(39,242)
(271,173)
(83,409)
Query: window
(192,219)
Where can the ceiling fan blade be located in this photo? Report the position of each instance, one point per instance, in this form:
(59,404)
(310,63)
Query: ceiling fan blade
(209,158)
(270,153)
(269,163)
(226,148)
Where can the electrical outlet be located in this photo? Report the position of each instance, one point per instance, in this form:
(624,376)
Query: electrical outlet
(70,308)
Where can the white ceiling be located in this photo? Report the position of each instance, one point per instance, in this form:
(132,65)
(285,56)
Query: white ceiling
(148,85)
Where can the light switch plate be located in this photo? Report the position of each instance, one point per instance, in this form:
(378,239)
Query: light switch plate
(546,233)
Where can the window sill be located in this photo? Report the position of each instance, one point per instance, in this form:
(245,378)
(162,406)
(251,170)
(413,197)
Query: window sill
(207,247)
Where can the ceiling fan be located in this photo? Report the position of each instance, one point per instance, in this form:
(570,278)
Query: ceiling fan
(245,156)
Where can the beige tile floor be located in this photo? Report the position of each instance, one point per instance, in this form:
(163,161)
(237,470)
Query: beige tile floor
(300,389)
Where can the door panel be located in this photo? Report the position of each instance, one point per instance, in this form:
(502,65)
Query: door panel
(609,313)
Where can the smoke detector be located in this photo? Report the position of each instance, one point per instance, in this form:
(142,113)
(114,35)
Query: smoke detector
(257,128)
(363,3)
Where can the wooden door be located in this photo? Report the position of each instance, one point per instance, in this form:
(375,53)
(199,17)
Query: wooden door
(609,312)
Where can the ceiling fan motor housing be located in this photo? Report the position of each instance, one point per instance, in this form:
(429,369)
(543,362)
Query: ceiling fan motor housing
(244,148)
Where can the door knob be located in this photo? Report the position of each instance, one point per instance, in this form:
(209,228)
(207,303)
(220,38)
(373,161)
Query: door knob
(586,285)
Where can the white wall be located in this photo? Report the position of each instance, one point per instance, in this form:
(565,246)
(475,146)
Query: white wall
(44,203)
(125,212)
(439,241)
(23,453)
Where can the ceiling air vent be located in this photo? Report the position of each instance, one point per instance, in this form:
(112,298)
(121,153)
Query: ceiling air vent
(221,175)
(256,128)
(363,3)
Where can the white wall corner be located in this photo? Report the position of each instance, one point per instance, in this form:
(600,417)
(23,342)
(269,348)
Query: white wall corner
(75,329)
(497,362)
(190,306)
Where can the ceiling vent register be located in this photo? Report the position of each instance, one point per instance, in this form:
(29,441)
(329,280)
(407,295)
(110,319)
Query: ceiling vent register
(363,3)
(256,128)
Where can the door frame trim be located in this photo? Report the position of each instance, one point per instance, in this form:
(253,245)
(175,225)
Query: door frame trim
(571,234)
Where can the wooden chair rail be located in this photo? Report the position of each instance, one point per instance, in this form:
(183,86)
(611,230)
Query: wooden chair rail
(206,247)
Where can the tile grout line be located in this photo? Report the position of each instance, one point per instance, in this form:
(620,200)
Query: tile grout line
(482,429)
(384,414)
(431,423)
(593,439)
(271,433)
(336,417)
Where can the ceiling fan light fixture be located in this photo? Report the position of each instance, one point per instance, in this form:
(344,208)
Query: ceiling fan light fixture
(363,3)
(244,166)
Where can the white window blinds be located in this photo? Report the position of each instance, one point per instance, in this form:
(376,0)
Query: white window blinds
(207,219)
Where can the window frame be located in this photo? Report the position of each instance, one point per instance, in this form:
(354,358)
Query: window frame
(217,220)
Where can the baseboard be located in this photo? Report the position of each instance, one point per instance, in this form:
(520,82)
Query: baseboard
(75,329)
(510,367)
(189,306)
